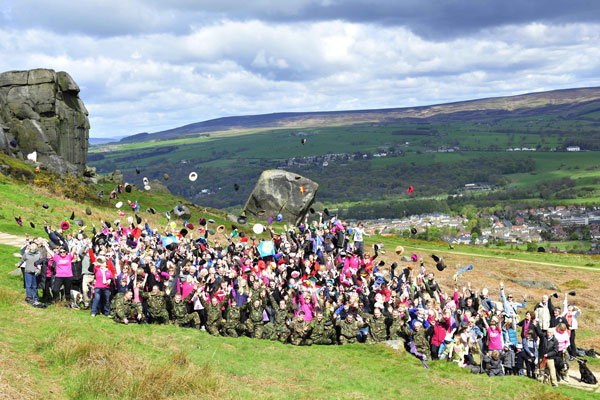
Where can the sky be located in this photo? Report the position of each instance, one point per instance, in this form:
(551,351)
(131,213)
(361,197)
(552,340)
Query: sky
(151,65)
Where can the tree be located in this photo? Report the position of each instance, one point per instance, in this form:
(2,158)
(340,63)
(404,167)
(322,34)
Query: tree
(531,247)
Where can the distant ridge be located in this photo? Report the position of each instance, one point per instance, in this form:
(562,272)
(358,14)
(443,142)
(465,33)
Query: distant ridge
(563,102)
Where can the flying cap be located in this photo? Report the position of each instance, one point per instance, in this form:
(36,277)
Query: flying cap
(128,188)
(399,250)
(64,225)
(119,204)
(137,171)
(258,229)
(166,177)
(147,187)
(279,217)
(189,226)
(193,176)
(88,211)
(45,206)
(72,215)
(260,212)
(413,231)
(202,221)
(151,210)
(220,229)
(32,225)
(303,140)
(183,232)
(138,219)
(79,222)
(270,221)
(145,180)
(241,220)
(236,186)
(211,221)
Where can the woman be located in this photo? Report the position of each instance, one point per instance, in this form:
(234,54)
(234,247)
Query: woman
(64,271)
(32,259)
(562,335)
(102,286)
(494,334)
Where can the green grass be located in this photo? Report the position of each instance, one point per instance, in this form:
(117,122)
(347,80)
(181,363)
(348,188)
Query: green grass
(70,355)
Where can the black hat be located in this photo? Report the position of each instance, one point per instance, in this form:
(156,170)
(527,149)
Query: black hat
(326,212)
(381,263)
(79,222)
(211,221)
(541,250)
(252,237)
(236,186)
(32,225)
(440,264)
(72,215)
(413,231)
(312,210)
(211,231)
(88,210)
(101,193)
(376,248)
(303,140)
(179,208)
(183,232)
(128,188)
(166,177)
(45,206)
(107,224)
(572,293)
(137,171)
(202,221)
(13,143)
(242,234)
(151,210)
(241,220)
(233,227)
(138,219)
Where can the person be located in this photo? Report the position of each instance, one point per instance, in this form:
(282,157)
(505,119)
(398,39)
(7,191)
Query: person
(542,314)
(495,363)
(562,336)
(157,305)
(359,244)
(531,350)
(321,330)
(571,313)
(102,286)
(300,331)
(31,264)
(549,344)
(181,317)
(64,271)
(127,310)
(348,329)
(494,334)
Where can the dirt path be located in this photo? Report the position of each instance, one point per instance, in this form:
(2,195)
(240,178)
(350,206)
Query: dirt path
(11,240)
(505,259)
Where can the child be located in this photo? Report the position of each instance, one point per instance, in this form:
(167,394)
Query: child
(531,350)
(520,360)
(494,362)
(508,360)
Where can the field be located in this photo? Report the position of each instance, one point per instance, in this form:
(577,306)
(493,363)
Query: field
(59,353)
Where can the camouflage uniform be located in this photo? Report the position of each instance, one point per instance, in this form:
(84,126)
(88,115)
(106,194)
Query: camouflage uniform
(321,332)
(180,313)
(157,306)
(420,339)
(349,330)
(254,324)
(129,309)
(214,317)
(280,330)
(377,328)
(233,326)
(300,332)
(396,329)
(115,302)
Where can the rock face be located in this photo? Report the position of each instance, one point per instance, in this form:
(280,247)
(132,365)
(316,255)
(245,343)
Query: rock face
(280,192)
(532,284)
(40,110)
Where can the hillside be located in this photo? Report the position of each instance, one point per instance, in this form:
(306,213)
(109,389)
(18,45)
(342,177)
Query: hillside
(562,101)
(64,354)
(515,145)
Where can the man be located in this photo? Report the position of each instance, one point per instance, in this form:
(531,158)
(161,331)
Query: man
(180,312)
(349,328)
(31,261)
(214,317)
(233,325)
(157,305)
(419,336)
(255,324)
(300,331)
(284,308)
(127,310)
(321,330)
(542,314)
(377,327)
(549,346)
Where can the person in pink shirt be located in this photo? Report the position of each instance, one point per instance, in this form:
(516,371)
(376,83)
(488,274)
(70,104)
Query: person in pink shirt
(63,261)
(494,334)
(561,333)
(102,286)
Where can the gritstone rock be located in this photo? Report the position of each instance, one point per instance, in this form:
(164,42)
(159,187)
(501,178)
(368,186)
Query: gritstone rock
(42,111)
(158,186)
(281,192)
(181,212)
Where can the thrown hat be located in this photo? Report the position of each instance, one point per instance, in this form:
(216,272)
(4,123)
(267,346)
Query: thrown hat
(166,177)
(88,211)
(72,215)
(233,227)
(202,221)
(326,212)
(220,229)
(64,225)
(312,210)
(151,210)
(295,274)
(212,232)
(137,171)
(45,206)
(128,188)
(193,176)
(440,264)
(107,224)
(303,141)
(260,212)
(145,180)
(269,220)
(183,232)
(79,222)
(279,217)
(413,231)
(13,143)
(138,219)
(119,204)
(32,225)
(243,235)
(414,257)
(189,226)
(572,293)
(241,220)
(258,229)
(147,187)
(211,221)
(236,186)
(399,250)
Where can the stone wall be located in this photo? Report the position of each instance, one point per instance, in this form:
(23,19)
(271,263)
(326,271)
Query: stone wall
(40,110)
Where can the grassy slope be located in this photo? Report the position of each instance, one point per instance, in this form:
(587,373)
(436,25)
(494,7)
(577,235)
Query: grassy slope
(70,355)
(57,353)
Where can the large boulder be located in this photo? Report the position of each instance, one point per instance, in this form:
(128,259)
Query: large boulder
(42,111)
(181,212)
(281,192)
(534,284)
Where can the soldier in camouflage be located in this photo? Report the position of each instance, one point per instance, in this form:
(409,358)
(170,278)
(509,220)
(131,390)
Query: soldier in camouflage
(420,336)
(233,326)
(115,302)
(214,316)
(181,317)
(300,331)
(395,325)
(284,309)
(157,305)
(349,328)
(321,329)
(255,324)
(377,326)
(127,310)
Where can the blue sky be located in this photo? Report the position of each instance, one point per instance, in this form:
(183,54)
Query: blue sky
(145,66)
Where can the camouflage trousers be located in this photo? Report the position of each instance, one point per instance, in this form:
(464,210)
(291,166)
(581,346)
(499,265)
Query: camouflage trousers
(300,341)
(345,340)
(215,327)
(159,318)
(193,319)
(255,330)
(234,329)
(280,333)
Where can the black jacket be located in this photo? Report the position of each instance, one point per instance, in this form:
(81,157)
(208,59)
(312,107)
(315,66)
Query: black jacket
(549,347)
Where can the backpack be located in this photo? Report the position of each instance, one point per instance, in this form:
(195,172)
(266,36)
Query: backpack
(580,352)
(591,353)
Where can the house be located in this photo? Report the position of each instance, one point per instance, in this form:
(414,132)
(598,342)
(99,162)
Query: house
(573,148)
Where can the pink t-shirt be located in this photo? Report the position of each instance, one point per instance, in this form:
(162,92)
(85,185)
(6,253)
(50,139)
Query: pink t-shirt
(563,339)
(99,278)
(494,339)
(63,265)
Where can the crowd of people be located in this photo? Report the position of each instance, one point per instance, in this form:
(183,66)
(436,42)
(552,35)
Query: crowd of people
(311,284)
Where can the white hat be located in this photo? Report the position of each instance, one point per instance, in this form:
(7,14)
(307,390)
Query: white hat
(119,204)
(258,229)
(193,176)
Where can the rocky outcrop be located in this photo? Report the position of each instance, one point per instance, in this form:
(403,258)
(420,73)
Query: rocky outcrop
(115,177)
(40,110)
(533,284)
(281,192)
